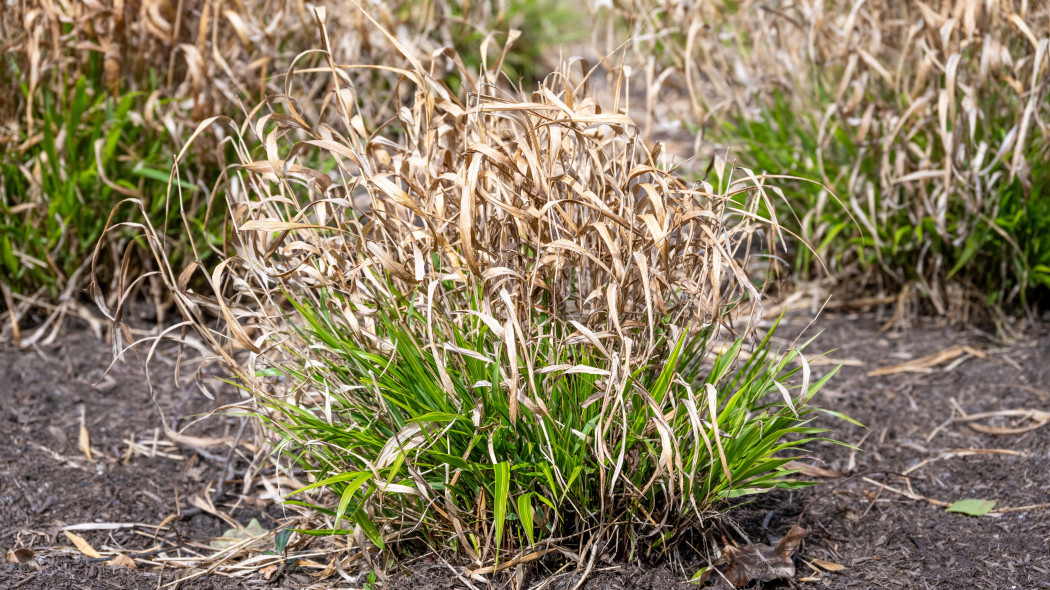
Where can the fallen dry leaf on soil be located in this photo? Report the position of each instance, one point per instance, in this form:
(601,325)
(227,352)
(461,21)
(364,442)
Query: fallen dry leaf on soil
(1039,419)
(742,565)
(206,442)
(84,439)
(926,363)
(827,565)
(82,545)
(22,555)
(122,560)
(813,470)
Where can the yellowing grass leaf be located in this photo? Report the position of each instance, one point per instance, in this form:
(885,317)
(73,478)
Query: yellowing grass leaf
(525,516)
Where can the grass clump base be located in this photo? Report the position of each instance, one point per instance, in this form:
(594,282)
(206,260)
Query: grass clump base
(597,458)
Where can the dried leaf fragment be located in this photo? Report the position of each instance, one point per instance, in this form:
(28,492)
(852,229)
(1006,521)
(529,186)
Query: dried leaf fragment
(268,571)
(122,560)
(22,555)
(742,565)
(84,439)
(828,566)
(927,363)
(82,545)
(813,470)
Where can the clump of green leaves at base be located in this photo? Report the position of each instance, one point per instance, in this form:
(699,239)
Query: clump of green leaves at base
(631,460)
(86,152)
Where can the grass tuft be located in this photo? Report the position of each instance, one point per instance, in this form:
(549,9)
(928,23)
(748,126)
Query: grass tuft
(489,322)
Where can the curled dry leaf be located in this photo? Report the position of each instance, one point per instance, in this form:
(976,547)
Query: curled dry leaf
(268,571)
(122,560)
(22,556)
(741,565)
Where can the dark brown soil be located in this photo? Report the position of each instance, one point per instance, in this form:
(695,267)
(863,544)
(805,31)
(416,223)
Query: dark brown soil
(47,483)
(888,540)
(884,539)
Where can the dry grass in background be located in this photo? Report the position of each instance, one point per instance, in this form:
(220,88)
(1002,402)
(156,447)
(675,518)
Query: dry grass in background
(928,122)
(102,95)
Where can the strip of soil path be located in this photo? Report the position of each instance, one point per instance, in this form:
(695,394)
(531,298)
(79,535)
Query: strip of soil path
(882,537)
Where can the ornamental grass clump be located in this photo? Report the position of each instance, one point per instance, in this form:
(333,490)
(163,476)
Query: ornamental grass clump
(496,323)
(925,123)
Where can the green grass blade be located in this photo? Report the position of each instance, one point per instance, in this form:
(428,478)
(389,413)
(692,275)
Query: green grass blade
(502,491)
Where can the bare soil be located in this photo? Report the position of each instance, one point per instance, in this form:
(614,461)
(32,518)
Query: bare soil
(882,537)
(47,482)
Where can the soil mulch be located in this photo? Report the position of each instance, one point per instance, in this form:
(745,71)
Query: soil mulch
(47,482)
(886,531)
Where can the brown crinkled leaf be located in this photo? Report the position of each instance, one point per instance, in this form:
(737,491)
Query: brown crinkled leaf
(122,560)
(22,555)
(742,565)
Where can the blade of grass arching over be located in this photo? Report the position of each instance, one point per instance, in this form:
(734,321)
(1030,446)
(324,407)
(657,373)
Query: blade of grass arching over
(348,495)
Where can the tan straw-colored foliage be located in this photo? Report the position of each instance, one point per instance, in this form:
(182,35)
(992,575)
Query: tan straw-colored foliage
(547,197)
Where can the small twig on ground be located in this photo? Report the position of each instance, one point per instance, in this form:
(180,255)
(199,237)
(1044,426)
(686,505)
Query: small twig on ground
(25,580)
(838,484)
(941,426)
(1039,418)
(961,453)
(942,503)
(220,488)
(139,555)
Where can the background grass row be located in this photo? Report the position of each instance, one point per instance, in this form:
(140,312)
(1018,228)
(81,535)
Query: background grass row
(98,103)
(927,126)
(99,98)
